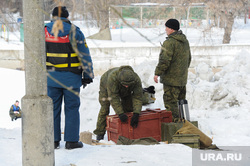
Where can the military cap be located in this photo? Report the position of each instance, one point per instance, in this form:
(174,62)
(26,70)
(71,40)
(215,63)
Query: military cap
(173,24)
(126,77)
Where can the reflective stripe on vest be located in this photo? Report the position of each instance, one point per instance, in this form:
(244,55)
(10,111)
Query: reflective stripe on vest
(60,54)
(63,65)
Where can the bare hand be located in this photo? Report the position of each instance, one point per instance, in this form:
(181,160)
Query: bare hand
(156,78)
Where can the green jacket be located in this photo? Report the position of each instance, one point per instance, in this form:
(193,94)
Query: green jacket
(174,60)
(116,91)
(12,114)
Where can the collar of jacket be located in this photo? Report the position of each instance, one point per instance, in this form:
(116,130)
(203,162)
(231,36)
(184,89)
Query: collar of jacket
(61,18)
(174,33)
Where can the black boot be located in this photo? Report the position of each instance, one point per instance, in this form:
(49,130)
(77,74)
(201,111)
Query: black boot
(99,137)
(73,145)
(56,144)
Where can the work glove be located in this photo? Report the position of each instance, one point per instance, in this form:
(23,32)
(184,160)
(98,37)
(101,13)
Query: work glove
(134,120)
(86,81)
(123,117)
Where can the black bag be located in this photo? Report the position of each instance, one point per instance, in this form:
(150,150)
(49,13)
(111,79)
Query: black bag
(148,95)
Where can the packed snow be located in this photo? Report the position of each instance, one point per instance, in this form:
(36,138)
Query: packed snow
(220,102)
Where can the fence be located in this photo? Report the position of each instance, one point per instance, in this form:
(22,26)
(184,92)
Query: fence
(4,32)
(155,15)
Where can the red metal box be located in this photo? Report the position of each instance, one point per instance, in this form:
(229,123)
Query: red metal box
(149,125)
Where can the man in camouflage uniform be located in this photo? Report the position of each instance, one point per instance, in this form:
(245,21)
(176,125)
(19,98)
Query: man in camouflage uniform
(15,111)
(174,60)
(121,88)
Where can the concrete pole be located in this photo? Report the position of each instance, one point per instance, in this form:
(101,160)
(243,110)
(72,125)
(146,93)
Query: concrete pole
(37,107)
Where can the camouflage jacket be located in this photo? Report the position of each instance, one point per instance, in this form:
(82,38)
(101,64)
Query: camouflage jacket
(14,108)
(116,91)
(174,60)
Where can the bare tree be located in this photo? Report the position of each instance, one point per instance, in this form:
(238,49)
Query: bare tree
(13,6)
(246,7)
(98,11)
(226,11)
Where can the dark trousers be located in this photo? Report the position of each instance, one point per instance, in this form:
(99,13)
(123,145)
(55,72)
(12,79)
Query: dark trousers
(71,111)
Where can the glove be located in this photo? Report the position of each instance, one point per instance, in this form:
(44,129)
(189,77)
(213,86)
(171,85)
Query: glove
(150,89)
(134,120)
(86,81)
(123,117)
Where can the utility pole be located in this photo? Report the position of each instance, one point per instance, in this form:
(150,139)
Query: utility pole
(37,107)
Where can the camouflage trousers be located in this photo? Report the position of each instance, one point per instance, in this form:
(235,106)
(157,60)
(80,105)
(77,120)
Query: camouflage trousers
(171,96)
(105,109)
(15,116)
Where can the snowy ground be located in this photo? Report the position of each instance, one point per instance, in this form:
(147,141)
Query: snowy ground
(220,102)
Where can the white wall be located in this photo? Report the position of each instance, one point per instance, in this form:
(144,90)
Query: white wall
(105,58)
(12,59)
